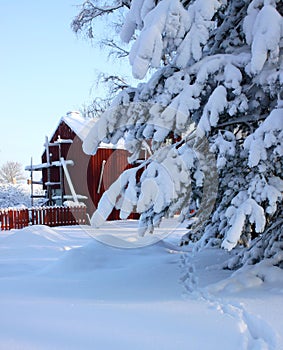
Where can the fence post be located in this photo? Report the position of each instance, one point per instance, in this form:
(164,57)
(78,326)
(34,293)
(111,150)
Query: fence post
(58,216)
(54,216)
(51,217)
(26,217)
(16,218)
(69,218)
(77,215)
(61,216)
(64,216)
(2,220)
(19,219)
(73,211)
(46,220)
(7,225)
(74,215)
(10,219)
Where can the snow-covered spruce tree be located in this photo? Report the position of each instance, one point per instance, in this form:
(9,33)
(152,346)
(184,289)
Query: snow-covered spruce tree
(214,88)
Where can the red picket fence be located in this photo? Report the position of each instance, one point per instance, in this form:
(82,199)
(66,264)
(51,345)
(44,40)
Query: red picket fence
(13,218)
(50,216)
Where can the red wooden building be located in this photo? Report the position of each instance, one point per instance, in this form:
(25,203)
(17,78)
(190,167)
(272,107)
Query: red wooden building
(90,175)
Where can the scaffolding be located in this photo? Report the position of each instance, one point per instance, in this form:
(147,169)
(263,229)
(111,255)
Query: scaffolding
(52,198)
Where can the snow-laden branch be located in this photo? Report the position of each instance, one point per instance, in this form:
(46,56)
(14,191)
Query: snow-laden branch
(165,186)
(167,19)
(242,208)
(166,28)
(263,27)
(269,135)
(91,10)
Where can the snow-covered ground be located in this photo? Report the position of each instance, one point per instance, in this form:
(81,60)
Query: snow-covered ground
(65,288)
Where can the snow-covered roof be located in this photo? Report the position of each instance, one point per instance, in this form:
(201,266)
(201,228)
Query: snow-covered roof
(82,126)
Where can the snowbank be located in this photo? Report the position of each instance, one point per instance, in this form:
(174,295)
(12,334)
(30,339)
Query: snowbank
(62,289)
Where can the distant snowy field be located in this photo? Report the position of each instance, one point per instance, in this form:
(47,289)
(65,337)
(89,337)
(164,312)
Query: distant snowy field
(60,288)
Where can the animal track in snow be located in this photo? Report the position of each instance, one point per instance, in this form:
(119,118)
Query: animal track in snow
(257,334)
(188,278)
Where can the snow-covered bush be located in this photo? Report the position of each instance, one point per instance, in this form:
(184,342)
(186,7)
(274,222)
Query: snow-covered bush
(17,196)
(14,196)
(215,91)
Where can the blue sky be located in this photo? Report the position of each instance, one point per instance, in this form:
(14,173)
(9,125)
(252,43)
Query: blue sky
(45,71)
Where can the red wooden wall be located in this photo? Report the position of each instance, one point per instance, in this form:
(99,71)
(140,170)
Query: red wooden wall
(86,172)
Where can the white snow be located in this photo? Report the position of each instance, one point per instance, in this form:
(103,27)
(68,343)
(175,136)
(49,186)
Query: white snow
(225,146)
(216,105)
(168,17)
(65,288)
(264,138)
(199,22)
(237,217)
(18,195)
(82,126)
(263,29)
